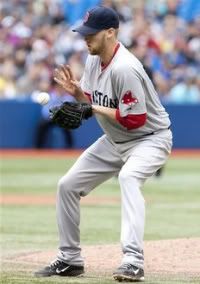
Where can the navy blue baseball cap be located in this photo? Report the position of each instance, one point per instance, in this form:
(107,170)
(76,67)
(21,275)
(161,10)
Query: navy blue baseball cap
(98,19)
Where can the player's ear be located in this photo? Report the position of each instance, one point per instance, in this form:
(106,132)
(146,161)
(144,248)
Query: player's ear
(112,32)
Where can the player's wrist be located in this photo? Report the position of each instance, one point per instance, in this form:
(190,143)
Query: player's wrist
(95,109)
(79,95)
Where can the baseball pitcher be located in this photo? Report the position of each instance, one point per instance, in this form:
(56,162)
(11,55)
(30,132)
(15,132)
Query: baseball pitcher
(137,141)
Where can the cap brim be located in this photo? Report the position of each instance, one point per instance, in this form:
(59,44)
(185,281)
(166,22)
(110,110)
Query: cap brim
(85,30)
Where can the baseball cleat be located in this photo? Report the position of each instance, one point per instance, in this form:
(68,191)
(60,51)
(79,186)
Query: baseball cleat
(59,268)
(128,272)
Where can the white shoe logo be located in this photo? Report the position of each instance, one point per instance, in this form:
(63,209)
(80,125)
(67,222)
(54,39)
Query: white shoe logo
(136,271)
(62,270)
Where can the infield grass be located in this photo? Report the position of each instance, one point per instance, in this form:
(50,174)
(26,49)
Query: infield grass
(172,211)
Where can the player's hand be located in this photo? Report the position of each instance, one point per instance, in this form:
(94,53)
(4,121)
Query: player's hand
(65,78)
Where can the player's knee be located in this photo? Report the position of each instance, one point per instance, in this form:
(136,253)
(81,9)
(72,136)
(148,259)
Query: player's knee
(63,186)
(67,185)
(125,176)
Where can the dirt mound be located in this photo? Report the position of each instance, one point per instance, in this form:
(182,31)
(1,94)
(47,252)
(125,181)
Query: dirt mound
(165,257)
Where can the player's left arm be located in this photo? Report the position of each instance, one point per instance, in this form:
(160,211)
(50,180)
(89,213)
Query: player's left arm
(130,121)
(131,112)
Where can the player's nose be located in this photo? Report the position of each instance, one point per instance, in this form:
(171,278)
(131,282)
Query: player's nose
(88,38)
(87,42)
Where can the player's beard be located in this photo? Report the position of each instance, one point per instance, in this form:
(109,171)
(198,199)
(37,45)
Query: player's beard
(98,48)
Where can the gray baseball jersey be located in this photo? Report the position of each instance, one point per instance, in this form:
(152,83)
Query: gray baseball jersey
(124,84)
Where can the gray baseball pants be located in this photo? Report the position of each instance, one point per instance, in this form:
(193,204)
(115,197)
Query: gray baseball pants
(134,162)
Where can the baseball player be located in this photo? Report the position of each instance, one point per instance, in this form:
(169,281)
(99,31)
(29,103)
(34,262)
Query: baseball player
(136,143)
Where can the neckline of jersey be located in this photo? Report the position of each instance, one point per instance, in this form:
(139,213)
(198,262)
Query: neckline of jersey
(103,67)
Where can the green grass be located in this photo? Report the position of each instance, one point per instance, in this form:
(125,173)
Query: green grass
(172,211)
(24,278)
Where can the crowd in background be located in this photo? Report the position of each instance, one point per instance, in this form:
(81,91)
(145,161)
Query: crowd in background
(36,36)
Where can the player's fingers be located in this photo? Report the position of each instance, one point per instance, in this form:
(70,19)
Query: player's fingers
(59,74)
(60,80)
(56,74)
(75,83)
(67,67)
(65,71)
(62,84)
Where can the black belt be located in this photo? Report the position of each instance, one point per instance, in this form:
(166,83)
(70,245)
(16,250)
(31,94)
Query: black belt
(151,133)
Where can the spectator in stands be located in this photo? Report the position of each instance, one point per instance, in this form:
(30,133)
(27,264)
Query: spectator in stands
(34,35)
(187,91)
(140,51)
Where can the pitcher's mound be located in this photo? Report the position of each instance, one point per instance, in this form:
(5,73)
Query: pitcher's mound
(165,257)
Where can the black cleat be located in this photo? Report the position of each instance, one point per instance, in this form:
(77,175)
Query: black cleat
(128,272)
(60,268)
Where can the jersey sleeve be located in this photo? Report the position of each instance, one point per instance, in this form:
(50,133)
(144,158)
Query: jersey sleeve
(128,88)
(85,79)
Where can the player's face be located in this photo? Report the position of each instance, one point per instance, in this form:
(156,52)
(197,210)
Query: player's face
(96,43)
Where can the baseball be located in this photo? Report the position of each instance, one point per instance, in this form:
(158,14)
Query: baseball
(43,98)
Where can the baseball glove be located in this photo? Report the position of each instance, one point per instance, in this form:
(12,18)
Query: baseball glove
(70,115)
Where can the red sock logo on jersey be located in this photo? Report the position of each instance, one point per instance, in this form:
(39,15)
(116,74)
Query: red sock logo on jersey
(129,99)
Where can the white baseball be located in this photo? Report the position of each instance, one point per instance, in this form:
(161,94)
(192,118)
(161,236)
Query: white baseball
(43,98)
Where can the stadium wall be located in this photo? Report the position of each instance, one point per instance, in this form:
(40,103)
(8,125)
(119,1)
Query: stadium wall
(19,120)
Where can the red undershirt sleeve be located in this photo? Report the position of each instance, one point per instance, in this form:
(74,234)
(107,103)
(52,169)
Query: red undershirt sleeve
(131,121)
(89,96)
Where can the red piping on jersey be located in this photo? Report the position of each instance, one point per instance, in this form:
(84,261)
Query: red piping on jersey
(89,96)
(103,66)
(131,121)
